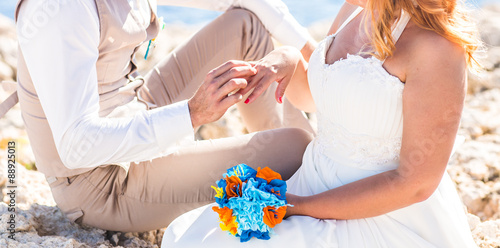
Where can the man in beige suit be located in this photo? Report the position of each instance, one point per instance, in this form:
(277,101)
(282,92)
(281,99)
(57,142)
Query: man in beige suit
(117,148)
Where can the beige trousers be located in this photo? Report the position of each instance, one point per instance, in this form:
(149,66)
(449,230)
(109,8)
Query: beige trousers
(153,193)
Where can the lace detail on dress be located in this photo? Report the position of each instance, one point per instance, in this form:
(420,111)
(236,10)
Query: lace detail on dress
(363,151)
(376,71)
(352,89)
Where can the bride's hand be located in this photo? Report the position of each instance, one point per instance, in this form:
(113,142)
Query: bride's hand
(279,65)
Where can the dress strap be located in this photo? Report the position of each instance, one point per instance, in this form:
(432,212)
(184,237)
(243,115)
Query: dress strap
(349,19)
(400,26)
(397,29)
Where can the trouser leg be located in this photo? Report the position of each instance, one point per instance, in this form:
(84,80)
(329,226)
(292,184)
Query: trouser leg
(237,34)
(155,192)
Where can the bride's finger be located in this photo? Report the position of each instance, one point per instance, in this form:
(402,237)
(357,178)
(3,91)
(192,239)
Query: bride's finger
(235,72)
(262,85)
(280,90)
(216,72)
(252,83)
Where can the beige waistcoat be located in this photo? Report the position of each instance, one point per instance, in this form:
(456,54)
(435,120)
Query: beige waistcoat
(121,34)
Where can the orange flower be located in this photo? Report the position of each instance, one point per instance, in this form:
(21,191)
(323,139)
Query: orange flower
(233,186)
(273,216)
(268,174)
(228,220)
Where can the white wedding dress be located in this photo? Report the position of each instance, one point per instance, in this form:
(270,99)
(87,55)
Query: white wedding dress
(360,122)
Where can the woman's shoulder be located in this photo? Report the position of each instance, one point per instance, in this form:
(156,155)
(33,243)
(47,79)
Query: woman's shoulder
(429,46)
(433,59)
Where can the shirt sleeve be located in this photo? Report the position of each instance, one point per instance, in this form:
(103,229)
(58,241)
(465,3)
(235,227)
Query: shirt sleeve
(274,15)
(216,5)
(61,55)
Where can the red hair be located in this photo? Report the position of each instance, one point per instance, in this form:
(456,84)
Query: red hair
(448,18)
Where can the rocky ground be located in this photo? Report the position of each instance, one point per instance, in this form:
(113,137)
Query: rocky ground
(475,167)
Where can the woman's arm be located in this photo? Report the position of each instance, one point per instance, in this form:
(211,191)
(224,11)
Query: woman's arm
(298,91)
(296,86)
(432,104)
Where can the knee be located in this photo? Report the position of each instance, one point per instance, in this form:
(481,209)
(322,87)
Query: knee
(254,36)
(303,136)
(297,138)
(239,16)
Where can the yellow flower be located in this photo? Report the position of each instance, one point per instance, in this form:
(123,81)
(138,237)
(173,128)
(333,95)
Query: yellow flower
(219,192)
(228,221)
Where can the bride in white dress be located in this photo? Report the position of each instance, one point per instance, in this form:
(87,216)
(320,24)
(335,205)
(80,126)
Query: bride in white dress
(375,174)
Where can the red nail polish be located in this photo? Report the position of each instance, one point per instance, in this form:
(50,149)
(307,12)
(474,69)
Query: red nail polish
(280,99)
(247,101)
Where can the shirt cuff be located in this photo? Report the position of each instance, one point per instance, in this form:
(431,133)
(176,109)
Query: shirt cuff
(172,126)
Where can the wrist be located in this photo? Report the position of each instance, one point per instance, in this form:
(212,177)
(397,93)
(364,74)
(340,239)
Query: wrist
(308,49)
(291,55)
(194,118)
(296,202)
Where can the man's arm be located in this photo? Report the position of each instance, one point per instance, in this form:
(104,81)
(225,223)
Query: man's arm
(61,58)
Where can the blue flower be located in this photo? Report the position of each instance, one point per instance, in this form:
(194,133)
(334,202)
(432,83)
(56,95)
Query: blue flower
(254,197)
(278,187)
(243,171)
(275,186)
(248,234)
(222,201)
(249,214)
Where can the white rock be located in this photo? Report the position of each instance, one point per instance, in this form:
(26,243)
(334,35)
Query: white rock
(477,169)
(6,72)
(487,234)
(8,49)
(473,221)
(492,208)
(474,196)
(489,18)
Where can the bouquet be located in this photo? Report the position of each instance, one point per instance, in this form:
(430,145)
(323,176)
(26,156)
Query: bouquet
(250,202)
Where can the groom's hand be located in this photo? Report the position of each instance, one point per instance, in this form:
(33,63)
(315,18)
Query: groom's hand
(278,66)
(215,96)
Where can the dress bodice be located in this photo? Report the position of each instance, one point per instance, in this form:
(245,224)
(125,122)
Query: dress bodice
(359,109)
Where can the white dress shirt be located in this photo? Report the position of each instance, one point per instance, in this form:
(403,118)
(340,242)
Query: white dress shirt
(61,54)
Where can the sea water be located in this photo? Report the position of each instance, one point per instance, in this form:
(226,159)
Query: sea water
(305,11)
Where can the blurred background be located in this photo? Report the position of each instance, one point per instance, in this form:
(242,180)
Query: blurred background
(306,12)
